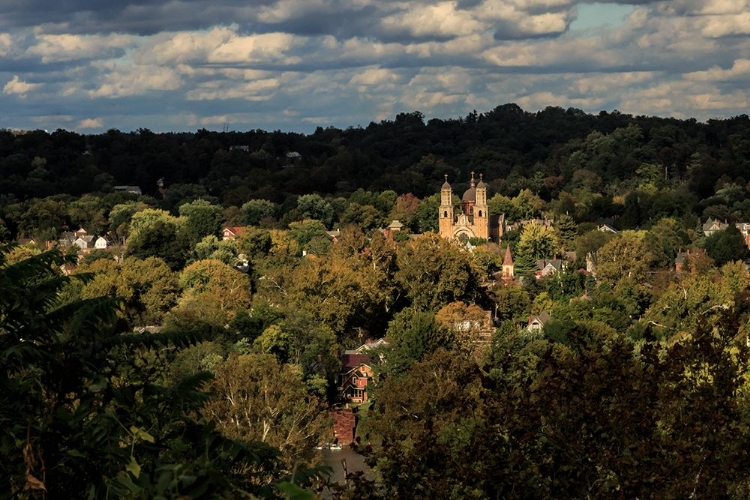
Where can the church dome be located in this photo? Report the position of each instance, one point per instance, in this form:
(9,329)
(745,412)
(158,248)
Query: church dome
(470,194)
(445,184)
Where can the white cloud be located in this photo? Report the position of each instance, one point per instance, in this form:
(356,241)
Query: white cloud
(374,76)
(19,87)
(136,80)
(441,19)
(740,69)
(266,47)
(6,43)
(68,47)
(258,90)
(90,123)
(728,25)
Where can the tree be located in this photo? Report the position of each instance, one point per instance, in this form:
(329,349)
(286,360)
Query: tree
(258,399)
(342,290)
(160,239)
(433,272)
(120,217)
(201,219)
(726,246)
(254,212)
(213,291)
(78,399)
(413,335)
(567,230)
(512,303)
(435,439)
(427,214)
(405,210)
(310,234)
(147,287)
(623,256)
(537,242)
(469,323)
(313,206)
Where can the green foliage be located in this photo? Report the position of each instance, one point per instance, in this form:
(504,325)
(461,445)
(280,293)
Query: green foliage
(596,416)
(310,235)
(434,272)
(726,246)
(160,239)
(313,206)
(201,219)
(413,335)
(254,212)
(80,400)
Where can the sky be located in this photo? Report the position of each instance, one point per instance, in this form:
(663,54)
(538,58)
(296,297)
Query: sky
(294,65)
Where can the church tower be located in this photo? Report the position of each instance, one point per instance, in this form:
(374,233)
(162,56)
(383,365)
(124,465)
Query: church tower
(481,211)
(445,221)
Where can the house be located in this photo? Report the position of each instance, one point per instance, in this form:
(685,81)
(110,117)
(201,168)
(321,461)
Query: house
(129,189)
(681,260)
(536,323)
(370,344)
(344,426)
(242,147)
(101,243)
(475,329)
(231,232)
(712,226)
(85,243)
(356,373)
(584,297)
(546,268)
(334,235)
(744,228)
(606,228)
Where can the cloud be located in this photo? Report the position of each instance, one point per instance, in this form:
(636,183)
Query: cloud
(6,43)
(136,80)
(90,123)
(168,64)
(18,87)
(441,20)
(740,70)
(68,47)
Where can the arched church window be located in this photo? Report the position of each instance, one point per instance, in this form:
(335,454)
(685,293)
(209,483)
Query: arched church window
(445,214)
(480,213)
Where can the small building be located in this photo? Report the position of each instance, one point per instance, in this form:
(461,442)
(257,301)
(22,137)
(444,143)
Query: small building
(681,260)
(713,226)
(101,243)
(508,266)
(129,189)
(231,232)
(536,323)
(606,228)
(546,268)
(85,243)
(356,373)
(334,235)
(344,426)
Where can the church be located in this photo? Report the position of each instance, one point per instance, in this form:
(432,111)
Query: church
(474,219)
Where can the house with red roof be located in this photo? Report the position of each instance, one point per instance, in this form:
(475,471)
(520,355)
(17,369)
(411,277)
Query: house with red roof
(356,373)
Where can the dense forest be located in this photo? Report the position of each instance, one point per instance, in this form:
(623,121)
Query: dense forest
(197,352)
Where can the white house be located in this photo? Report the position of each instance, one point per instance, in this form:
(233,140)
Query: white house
(101,243)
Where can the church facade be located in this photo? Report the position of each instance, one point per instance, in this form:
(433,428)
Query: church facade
(473,219)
